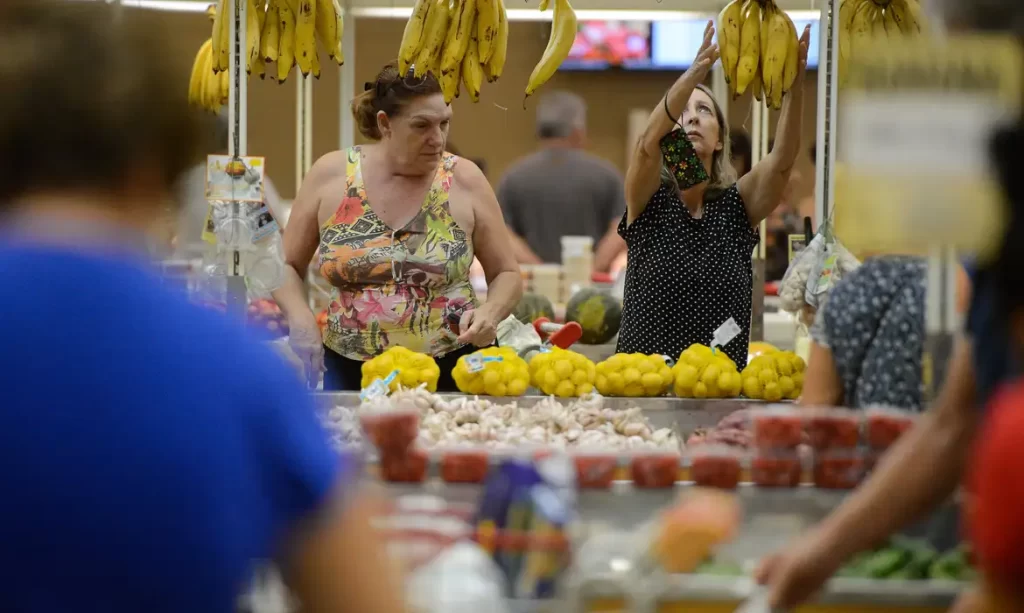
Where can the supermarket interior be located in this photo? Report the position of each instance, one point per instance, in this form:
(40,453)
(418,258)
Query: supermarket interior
(593,305)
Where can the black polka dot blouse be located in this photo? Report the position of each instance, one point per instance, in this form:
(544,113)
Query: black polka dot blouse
(686,276)
(874,323)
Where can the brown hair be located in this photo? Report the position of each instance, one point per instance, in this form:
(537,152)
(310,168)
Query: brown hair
(89,99)
(390,92)
(722,174)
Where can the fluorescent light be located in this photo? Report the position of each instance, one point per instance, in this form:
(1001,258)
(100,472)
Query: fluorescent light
(167,5)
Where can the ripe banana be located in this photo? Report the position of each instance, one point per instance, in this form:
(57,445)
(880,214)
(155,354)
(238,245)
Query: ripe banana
(543,5)
(223,83)
(488,16)
(775,47)
(907,14)
(339,16)
(428,58)
(412,38)
(270,37)
(494,66)
(750,46)
(286,48)
(472,69)
(861,26)
(459,33)
(252,35)
(221,36)
(792,65)
(729,39)
(261,13)
(450,82)
(196,80)
(314,66)
(563,34)
(757,86)
(305,34)
(326,23)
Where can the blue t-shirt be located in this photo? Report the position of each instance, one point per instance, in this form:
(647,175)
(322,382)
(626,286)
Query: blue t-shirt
(993,355)
(152,454)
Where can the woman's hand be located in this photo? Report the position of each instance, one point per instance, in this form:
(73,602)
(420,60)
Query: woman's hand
(805,42)
(307,343)
(478,328)
(707,55)
(795,574)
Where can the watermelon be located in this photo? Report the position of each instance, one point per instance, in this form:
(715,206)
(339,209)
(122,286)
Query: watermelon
(532,307)
(597,312)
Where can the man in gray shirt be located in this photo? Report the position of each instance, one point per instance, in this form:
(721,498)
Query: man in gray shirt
(561,190)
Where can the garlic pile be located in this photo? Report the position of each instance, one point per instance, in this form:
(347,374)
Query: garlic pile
(584,422)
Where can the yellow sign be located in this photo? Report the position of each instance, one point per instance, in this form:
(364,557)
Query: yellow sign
(915,124)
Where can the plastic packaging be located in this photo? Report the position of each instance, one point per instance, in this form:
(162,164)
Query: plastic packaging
(776,468)
(407,466)
(594,469)
(829,428)
(885,426)
(391,431)
(462,579)
(842,469)
(654,469)
(777,427)
(464,464)
(717,466)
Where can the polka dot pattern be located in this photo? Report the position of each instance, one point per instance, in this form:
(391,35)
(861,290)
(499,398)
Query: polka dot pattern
(874,324)
(686,276)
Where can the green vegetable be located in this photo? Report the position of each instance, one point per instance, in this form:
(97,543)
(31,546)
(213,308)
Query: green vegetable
(719,569)
(855,568)
(953,566)
(886,562)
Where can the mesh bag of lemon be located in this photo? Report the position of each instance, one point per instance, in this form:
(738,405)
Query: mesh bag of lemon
(562,373)
(411,370)
(703,373)
(634,375)
(774,376)
(494,371)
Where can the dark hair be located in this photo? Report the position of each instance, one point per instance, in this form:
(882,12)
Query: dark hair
(741,148)
(390,92)
(88,100)
(1008,274)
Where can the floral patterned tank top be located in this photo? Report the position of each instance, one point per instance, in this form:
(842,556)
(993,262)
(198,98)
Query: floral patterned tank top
(394,287)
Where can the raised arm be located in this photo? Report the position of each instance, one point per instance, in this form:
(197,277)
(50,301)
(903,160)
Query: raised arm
(493,243)
(762,187)
(643,177)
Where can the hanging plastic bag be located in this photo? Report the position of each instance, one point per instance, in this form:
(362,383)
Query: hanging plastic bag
(832,263)
(794,282)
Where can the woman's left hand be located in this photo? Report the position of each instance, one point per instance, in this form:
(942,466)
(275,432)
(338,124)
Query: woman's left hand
(478,328)
(804,45)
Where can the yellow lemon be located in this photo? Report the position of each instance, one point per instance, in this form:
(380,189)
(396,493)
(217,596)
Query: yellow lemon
(786,386)
(601,382)
(686,375)
(630,375)
(563,369)
(616,383)
(798,380)
(517,387)
(710,374)
(700,390)
(767,376)
(550,379)
(785,367)
(634,390)
(644,366)
(752,387)
(583,389)
(724,381)
(666,375)
(491,377)
(475,387)
(497,389)
(579,377)
(652,383)
(565,389)
(772,393)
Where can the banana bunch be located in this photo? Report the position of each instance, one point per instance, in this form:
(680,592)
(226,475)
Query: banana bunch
(207,89)
(563,34)
(860,21)
(760,49)
(457,41)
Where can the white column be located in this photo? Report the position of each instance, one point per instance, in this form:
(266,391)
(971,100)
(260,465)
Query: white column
(237,143)
(303,126)
(828,86)
(346,126)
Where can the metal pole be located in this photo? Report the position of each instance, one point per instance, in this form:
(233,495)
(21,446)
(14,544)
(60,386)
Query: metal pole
(347,132)
(719,88)
(236,290)
(758,150)
(828,87)
(303,128)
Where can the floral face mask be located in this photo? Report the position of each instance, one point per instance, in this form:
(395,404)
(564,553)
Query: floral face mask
(681,159)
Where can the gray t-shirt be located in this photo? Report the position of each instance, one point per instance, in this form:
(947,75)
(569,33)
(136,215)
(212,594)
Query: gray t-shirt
(560,192)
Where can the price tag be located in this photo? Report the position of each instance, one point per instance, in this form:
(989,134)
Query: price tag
(475,363)
(725,333)
(669,360)
(379,387)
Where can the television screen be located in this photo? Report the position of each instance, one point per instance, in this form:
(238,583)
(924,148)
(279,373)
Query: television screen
(674,44)
(606,44)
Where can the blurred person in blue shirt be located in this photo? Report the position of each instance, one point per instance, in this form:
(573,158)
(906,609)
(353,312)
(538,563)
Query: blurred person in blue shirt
(153,455)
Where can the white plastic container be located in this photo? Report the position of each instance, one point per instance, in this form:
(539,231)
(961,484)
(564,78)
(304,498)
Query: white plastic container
(577,262)
(547,281)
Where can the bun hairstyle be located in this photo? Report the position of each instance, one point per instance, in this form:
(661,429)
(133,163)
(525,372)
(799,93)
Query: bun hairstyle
(389,92)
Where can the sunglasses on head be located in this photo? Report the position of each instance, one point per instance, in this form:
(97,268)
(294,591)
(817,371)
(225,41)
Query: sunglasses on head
(381,89)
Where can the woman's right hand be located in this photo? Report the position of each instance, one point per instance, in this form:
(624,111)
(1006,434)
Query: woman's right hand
(707,55)
(795,574)
(307,343)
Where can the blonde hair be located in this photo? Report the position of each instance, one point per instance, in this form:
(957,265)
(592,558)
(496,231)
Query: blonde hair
(722,174)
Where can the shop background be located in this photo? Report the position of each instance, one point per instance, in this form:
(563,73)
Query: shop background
(496,130)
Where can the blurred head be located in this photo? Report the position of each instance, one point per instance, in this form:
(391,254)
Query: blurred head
(93,115)
(562,116)
(1005,16)
(742,151)
(708,131)
(407,115)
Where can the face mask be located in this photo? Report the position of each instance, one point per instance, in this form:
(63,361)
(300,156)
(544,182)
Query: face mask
(681,159)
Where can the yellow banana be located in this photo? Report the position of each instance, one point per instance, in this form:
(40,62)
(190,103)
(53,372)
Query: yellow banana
(860,26)
(209,89)
(433,39)
(259,68)
(907,14)
(270,36)
(224,86)
(766,15)
(880,24)
(792,65)
(286,47)
(412,38)
(221,36)
(450,82)
(543,5)
(459,32)
(489,14)
(775,49)
(563,34)
(252,35)
(494,66)
(757,86)
(314,65)
(729,39)
(261,13)
(472,69)
(750,46)
(327,25)
(194,82)
(339,16)
(305,34)
(846,11)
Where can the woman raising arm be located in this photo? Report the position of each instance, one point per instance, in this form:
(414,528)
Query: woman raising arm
(690,227)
